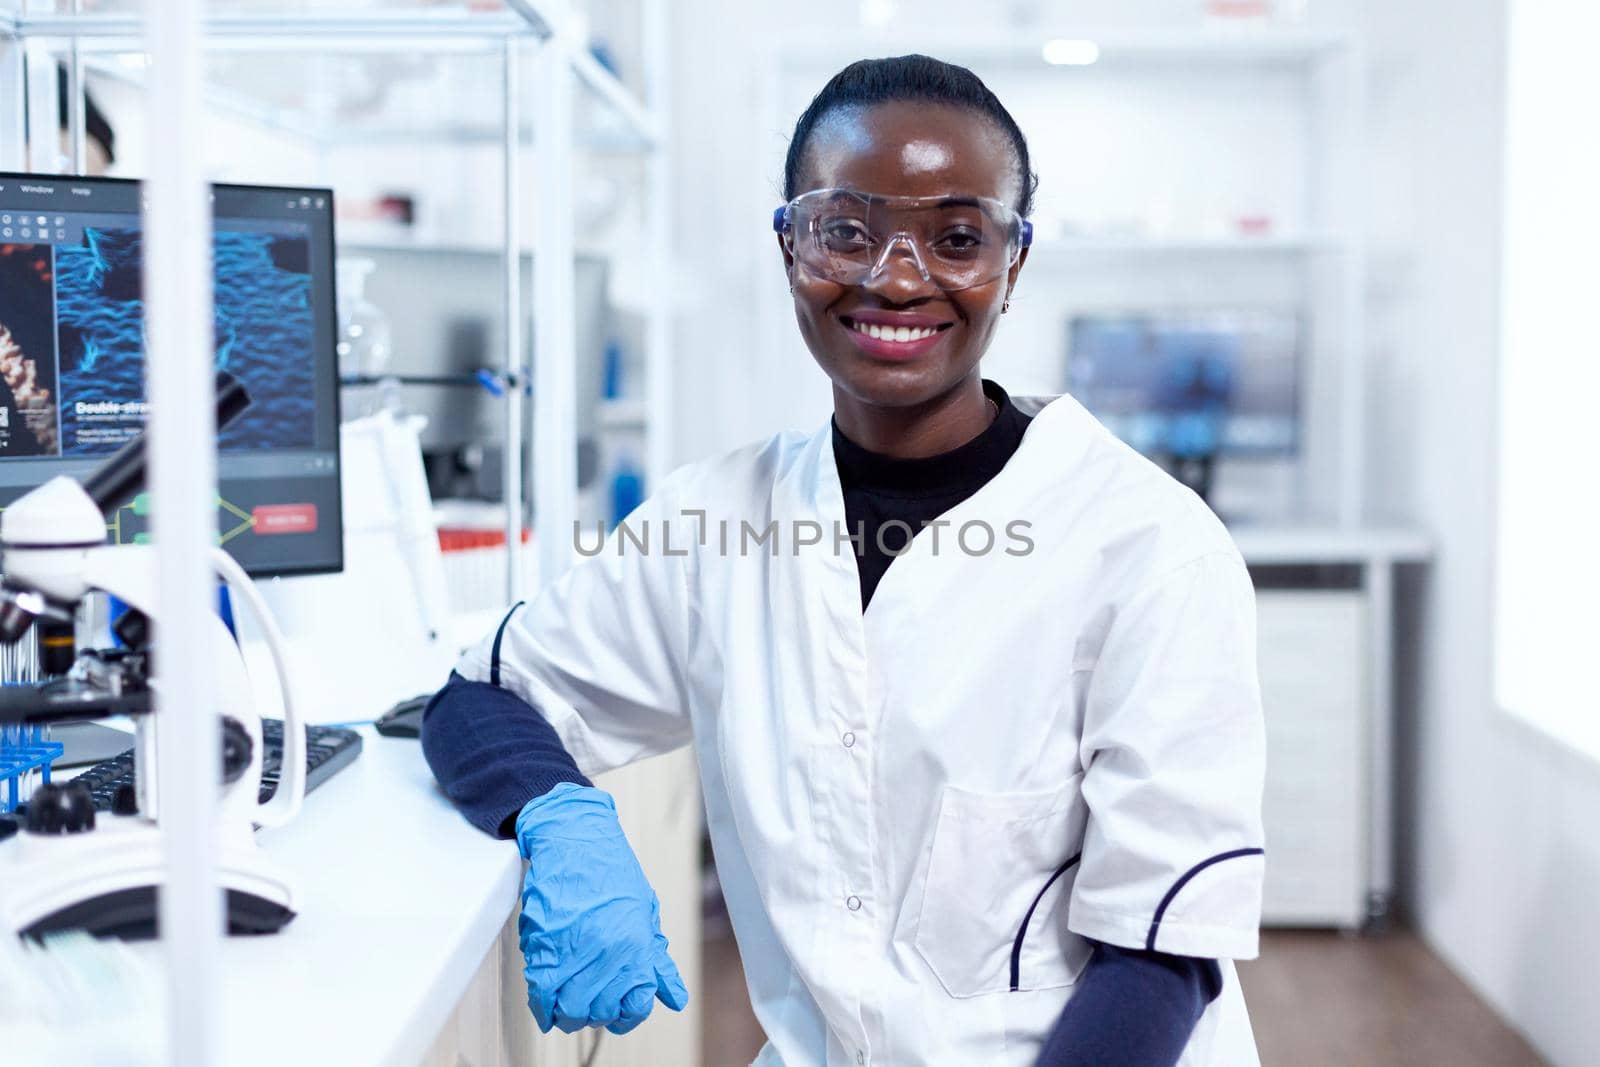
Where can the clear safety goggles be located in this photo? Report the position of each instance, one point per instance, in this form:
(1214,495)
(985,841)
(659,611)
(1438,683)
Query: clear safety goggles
(955,242)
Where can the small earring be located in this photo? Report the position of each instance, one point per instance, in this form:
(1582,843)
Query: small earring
(1005,307)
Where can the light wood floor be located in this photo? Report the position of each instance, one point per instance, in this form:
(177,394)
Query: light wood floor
(1383,1000)
(1316,1000)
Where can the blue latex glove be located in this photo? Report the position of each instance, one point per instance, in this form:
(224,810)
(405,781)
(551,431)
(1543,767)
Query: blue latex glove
(590,925)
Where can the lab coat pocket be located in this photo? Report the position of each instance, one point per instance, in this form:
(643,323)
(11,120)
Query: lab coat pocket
(1000,875)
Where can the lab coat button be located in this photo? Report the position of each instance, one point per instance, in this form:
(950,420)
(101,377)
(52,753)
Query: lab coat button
(853,903)
(849,739)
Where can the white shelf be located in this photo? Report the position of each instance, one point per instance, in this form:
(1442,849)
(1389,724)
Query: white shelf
(1052,249)
(1265,45)
(360,243)
(266,62)
(119,32)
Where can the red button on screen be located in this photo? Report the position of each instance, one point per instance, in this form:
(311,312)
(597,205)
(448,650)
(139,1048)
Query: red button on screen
(285,518)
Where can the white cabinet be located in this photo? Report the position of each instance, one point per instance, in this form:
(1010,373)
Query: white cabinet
(1314,667)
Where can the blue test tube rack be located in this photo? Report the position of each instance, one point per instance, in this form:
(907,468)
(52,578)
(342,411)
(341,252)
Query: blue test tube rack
(23,750)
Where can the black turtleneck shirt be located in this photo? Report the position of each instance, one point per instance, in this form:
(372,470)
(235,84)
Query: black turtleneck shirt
(887,499)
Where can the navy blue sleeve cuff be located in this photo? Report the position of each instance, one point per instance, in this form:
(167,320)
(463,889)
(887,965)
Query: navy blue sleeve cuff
(1132,1007)
(492,752)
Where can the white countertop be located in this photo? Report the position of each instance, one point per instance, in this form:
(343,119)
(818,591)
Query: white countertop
(399,897)
(400,901)
(1317,544)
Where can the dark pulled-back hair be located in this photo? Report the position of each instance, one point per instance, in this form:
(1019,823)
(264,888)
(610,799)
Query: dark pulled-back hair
(917,78)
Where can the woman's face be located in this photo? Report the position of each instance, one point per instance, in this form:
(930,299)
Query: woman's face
(903,149)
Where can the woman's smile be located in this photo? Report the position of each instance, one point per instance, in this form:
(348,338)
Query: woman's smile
(894,335)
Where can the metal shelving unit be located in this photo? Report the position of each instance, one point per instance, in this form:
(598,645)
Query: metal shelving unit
(543,60)
(176,35)
(1197,46)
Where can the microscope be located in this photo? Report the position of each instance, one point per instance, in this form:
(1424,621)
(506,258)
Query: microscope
(70,867)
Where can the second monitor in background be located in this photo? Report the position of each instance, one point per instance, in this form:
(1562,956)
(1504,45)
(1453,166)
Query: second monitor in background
(1193,389)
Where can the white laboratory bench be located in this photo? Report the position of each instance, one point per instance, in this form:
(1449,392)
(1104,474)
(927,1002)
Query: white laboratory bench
(403,951)
(400,902)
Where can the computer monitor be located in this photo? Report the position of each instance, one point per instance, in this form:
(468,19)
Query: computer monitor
(72,346)
(1184,383)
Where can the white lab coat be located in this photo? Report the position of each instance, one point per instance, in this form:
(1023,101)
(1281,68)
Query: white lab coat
(918,807)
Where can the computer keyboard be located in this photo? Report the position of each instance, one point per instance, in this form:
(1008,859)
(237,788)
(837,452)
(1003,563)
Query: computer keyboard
(329,749)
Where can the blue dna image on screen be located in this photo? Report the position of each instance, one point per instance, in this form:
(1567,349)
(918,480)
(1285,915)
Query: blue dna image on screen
(264,325)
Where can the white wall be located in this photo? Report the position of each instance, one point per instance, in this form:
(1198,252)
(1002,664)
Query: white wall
(1501,856)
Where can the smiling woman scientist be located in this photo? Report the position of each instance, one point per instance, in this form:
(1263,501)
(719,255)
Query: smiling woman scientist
(985,795)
